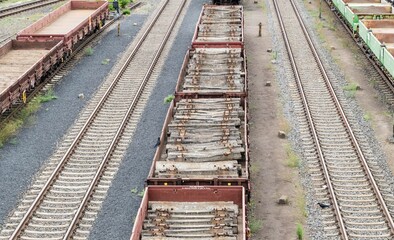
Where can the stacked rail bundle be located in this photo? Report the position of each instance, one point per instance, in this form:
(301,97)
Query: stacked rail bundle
(213,72)
(219,26)
(191,213)
(70,23)
(204,141)
(23,65)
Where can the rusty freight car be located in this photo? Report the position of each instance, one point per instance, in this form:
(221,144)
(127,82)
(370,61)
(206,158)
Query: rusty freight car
(70,23)
(193,212)
(220,26)
(212,72)
(22,66)
(203,142)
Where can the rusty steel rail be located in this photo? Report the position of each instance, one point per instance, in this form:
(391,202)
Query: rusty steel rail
(4,12)
(344,118)
(89,121)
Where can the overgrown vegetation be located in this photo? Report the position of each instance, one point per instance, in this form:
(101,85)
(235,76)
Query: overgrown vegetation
(300,232)
(11,128)
(134,190)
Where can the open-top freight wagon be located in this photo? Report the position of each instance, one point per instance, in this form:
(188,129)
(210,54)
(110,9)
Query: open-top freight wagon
(204,141)
(22,65)
(192,212)
(40,47)
(212,72)
(220,26)
(70,23)
(373,22)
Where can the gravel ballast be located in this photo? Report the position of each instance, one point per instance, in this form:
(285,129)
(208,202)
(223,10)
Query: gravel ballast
(115,221)
(36,142)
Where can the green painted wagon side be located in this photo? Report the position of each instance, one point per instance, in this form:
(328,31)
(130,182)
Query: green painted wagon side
(351,18)
(375,46)
(340,5)
(388,61)
(363,32)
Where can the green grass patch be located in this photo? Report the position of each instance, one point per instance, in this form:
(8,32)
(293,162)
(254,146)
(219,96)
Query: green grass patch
(169,98)
(300,232)
(367,117)
(255,225)
(292,159)
(351,89)
(254,168)
(11,127)
(89,51)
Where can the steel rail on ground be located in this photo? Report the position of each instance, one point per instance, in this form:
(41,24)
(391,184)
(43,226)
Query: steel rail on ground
(70,150)
(344,118)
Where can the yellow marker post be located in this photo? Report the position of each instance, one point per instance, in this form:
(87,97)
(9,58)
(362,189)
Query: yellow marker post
(24,99)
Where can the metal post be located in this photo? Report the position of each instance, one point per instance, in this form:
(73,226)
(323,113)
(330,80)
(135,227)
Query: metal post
(260,24)
(118,29)
(320,10)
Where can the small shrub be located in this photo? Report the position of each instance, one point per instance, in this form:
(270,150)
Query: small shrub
(300,232)
(89,51)
(141,194)
(123,3)
(126,12)
(105,61)
(48,96)
(134,190)
(169,98)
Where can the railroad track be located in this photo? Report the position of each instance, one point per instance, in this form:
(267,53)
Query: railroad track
(11,10)
(64,200)
(344,171)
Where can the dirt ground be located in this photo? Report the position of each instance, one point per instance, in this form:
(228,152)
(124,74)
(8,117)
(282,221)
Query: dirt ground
(271,174)
(271,177)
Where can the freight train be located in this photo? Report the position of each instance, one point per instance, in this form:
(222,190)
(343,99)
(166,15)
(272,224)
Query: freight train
(39,48)
(199,180)
(372,23)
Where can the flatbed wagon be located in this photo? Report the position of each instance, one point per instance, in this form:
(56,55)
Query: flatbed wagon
(212,72)
(70,23)
(220,26)
(22,66)
(203,142)
(192,212)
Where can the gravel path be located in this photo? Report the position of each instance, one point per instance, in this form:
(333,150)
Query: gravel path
(39,139)
(115,221)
